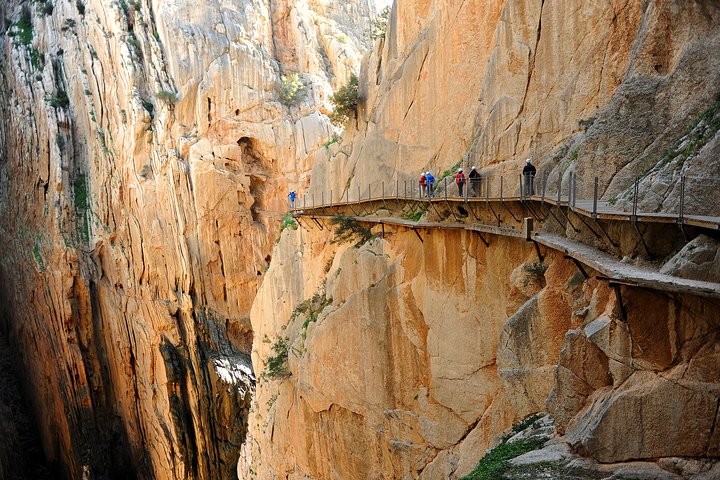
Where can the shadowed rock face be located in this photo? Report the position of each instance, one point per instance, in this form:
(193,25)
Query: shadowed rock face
(145,158)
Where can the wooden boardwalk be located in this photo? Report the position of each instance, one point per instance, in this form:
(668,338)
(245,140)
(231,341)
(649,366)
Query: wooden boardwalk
(609,267)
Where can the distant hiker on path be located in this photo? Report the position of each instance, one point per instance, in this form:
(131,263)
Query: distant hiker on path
(423,184)
(528,176)
(430,183)
(474,177)
(460,180)
(291,198)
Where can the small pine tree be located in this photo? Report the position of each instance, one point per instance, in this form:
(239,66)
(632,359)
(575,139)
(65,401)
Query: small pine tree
(378,26)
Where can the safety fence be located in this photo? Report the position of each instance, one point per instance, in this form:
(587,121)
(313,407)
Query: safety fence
(681,199)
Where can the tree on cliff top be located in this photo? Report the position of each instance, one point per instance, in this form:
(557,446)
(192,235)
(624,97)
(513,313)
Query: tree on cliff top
(378,26)
(345,102)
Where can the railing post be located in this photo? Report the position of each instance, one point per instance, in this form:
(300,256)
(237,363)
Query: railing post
(487,188)
(405,182)
(522,189)
(359,194)
(501,188)
(445,184)
(681,215)
(312,199)
(304,200)
(369,192)
(322,198)
(574,188)
(595,198)
(544,186)
(383,190)
(331,197)
(635,199)
(397,189)
(559,198)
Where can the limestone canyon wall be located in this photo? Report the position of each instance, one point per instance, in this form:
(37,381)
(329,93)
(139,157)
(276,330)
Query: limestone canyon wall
(611,88)
(145,158)
(408,356)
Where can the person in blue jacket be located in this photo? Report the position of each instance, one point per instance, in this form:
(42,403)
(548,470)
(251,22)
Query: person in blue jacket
(430,183)
(291,197)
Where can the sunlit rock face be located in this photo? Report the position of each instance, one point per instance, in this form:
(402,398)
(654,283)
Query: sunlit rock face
(616,89)
(146,156)
(409,358)
(406,359)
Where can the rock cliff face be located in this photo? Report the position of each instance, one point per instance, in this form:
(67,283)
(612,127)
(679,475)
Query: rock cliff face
(614,89)
(146,155)
(406,359)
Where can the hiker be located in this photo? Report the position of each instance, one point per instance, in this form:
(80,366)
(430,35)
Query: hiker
(460,180)
(430,183)
(423,184)
(291,197)
(528,176)
(474,177)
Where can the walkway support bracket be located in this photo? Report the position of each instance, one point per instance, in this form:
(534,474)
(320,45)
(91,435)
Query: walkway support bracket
(578,265)
(615,284)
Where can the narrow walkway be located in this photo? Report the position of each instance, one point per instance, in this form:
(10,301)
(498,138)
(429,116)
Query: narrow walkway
(610,269)
(599,210)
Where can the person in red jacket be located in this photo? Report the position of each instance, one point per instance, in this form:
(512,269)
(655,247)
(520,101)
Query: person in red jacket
(460,180)
(423,184)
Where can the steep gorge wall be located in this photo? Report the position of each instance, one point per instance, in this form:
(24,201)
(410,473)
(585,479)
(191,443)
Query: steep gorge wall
(146,156)
(407,358)
(607,88)
(414,355)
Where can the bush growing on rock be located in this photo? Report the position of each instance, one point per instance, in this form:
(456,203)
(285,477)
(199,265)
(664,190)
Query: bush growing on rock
(344,103)
(167,96)
(290,88)
(276,367)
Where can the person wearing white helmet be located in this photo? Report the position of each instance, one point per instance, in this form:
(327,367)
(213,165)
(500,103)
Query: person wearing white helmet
(430,183)
(529,172)
(460,180)
(474,177)
(423,184)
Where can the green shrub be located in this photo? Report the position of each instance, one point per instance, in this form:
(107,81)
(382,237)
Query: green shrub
(36,59)
(574,154)
(167,96)
(345,102)
(349,229)
(288,221)
(414,216)
(450,171)
(24,28)
(496,461)
(378,26)
(277,367)
(59,100)
(290,88)
(334,139)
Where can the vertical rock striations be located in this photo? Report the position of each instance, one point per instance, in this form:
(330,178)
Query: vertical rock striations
(146,154)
